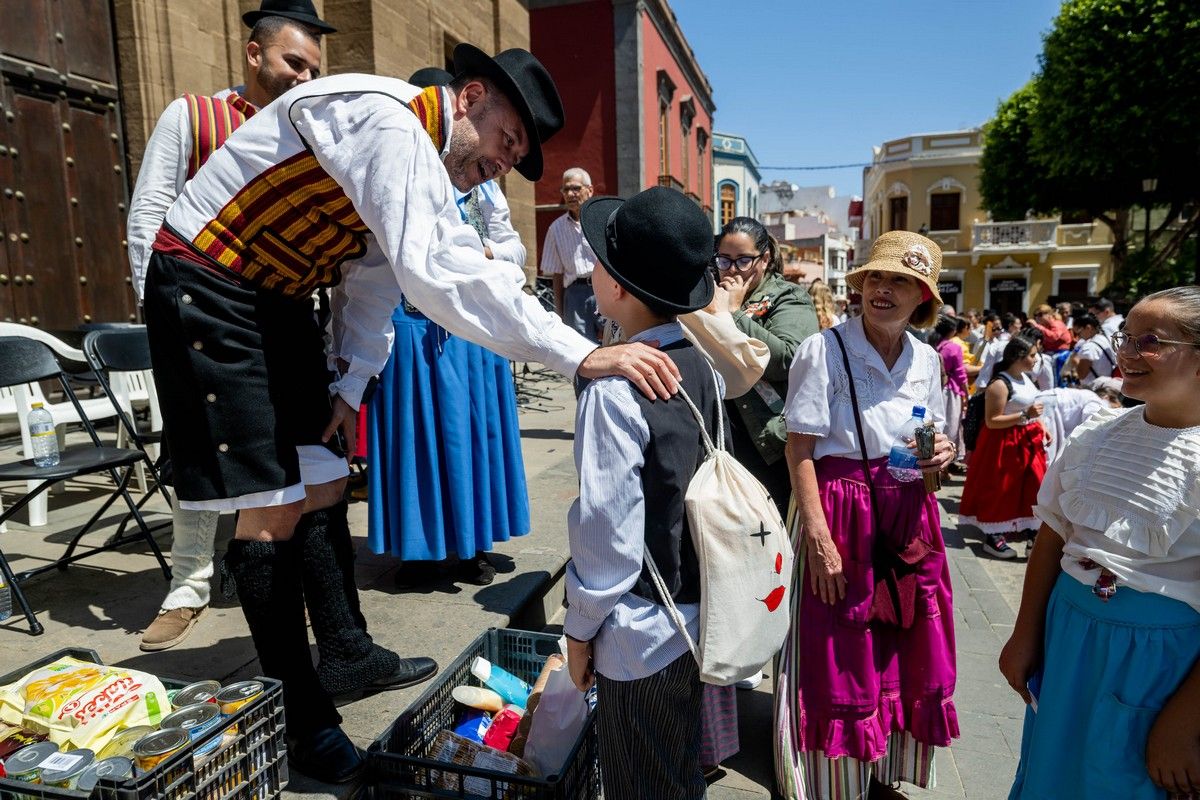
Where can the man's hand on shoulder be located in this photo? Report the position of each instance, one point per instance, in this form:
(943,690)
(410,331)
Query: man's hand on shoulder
(650,370)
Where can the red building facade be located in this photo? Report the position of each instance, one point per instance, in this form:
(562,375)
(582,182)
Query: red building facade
(630,128)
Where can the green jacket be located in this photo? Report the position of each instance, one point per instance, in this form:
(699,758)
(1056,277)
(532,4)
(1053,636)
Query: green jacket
(781,315)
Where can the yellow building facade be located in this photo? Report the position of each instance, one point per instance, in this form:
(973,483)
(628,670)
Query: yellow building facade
(930,183)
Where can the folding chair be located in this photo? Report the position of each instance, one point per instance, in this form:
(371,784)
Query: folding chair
(25,361)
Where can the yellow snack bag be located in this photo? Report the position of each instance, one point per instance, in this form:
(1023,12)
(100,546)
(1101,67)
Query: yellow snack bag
(80,704)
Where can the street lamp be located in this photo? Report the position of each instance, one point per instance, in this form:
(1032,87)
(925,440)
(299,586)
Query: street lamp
(1148,187)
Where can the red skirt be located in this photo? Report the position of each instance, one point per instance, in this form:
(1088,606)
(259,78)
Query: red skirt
(1003,478)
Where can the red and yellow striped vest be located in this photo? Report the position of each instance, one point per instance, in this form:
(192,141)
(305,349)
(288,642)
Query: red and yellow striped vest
(212,121)
(290,228)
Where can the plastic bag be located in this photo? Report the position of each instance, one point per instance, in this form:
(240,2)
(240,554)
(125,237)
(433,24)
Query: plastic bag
(558,721)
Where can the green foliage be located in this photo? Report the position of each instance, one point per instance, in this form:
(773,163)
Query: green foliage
(1010,182)
(1139,278)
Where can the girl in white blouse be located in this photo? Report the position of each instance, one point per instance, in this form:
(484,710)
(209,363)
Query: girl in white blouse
(1106,647)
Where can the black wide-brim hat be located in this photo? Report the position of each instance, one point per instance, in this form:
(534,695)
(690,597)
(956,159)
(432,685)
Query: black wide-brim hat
(298,10)
(658,244)
(528,86)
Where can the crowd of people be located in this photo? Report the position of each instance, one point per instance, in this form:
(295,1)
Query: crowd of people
(379,196)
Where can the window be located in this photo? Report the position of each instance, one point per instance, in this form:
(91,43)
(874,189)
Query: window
(899,217)
(728,203)
(701,165)
(943,211)
(683,154)
(448,45)
(664,146)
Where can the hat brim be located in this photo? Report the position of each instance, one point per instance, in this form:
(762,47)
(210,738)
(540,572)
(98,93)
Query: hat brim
(855,279)
(471,60)
(251,18)
(593,219)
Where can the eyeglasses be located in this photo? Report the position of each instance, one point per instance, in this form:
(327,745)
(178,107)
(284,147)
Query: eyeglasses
(1147,344)
(725,263)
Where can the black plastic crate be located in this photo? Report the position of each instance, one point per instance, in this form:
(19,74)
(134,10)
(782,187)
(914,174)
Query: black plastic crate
(397,766)
(253,766)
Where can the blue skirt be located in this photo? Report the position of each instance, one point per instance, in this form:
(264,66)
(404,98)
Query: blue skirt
(1109,668)
(446,474)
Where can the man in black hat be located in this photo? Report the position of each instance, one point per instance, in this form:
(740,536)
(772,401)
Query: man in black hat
(283,50)
(347,183)
(654,253)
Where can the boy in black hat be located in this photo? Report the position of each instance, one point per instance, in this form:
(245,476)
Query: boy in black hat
(635,459)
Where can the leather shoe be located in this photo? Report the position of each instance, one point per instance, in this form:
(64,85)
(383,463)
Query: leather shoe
(326,755)
(409,671)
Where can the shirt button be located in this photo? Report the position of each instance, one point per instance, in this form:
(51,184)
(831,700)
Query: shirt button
(224,448)
(197,345)
(187,299)
(210,397)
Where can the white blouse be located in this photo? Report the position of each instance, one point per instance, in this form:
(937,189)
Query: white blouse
(818,402)
(1126,494)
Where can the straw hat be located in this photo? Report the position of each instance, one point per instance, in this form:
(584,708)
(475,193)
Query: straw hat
(908,254)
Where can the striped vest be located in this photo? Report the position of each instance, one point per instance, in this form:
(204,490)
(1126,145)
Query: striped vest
(290,228)
(212,120)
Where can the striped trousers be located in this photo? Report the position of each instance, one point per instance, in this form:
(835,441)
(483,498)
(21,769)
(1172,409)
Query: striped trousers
(649,734)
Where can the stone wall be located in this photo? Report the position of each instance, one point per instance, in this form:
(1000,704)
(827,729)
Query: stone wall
(197,46)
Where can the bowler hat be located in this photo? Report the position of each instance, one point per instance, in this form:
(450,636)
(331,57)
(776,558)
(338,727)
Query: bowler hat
(528,86)
(298,10)
(908,254)
(658,245)
(430,76)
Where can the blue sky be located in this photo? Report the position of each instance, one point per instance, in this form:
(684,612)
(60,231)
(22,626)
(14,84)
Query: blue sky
(811,83)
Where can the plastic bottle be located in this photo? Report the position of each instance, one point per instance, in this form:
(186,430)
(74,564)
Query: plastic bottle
(43,437)
(502,682)
(5,600)
(902,462)
(474,697)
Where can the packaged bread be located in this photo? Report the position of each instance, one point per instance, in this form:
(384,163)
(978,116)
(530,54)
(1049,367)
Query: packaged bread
(78,704)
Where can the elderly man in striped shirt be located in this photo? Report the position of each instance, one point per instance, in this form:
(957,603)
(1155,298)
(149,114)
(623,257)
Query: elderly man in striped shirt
(568,259)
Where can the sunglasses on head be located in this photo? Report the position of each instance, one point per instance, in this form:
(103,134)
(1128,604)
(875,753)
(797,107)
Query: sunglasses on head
(1148,344)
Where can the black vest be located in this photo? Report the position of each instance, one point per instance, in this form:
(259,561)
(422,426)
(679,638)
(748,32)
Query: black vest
(670,460)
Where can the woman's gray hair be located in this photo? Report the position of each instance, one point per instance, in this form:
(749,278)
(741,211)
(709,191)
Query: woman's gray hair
(579,174)
(1185,302)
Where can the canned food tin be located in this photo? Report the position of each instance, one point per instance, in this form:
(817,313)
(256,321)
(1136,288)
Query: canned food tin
(199,692)
(116,769)
(237,696)
(155,748)
(62,770)
(26,764)
(122,744)
(198,720)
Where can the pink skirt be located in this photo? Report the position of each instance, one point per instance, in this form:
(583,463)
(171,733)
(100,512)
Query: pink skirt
(856,682)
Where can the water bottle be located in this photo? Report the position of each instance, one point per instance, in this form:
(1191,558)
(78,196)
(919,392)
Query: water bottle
(5,600)
(902,461)
(43,437)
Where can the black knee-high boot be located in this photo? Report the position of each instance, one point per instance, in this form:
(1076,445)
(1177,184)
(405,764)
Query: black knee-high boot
(267,578)
(350,661)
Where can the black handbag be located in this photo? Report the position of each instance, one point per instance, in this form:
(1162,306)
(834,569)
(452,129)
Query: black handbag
(893,564)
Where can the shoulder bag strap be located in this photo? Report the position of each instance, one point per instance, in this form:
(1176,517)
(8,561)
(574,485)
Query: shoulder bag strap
(862,441)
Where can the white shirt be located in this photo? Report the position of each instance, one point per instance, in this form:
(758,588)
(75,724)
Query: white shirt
(818,402)
(160,180)
(1064,410)
(1099,352)
(1023,394)
(365,138)
(566,251)
(1112,325)
(502,237)
(1043,373)
(992,352)
(1126,494)
(606,526)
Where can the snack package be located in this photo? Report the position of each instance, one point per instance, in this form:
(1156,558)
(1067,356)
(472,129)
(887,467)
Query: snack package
(78,704)
(451,748)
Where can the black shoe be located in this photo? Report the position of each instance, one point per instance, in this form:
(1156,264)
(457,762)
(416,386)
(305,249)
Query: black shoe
(327,755)
(996,547)
(409,671)
(477,570)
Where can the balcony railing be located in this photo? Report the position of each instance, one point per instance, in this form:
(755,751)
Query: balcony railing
(1035,234)
(670,181)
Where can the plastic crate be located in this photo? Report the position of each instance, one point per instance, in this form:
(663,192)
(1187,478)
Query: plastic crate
(251,767)
(396,762)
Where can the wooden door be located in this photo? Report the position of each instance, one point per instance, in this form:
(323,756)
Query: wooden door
(63,188)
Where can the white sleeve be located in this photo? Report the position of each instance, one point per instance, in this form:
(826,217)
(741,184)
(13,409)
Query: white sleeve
(160,180)
(386,164)
(810,390)
(552,260)
(502,237)
(935,402)
(362,306)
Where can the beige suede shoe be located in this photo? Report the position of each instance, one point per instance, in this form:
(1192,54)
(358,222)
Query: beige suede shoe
(170,628)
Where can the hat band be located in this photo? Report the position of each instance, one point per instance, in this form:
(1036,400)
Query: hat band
(610,231)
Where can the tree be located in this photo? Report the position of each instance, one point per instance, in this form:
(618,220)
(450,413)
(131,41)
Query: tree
(1115,102)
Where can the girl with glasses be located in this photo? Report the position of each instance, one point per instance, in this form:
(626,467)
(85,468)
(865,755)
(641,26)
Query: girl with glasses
(1106,646)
